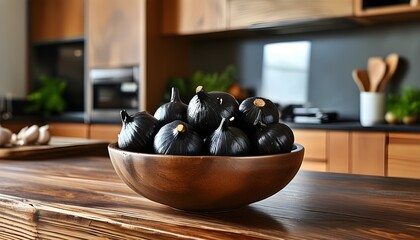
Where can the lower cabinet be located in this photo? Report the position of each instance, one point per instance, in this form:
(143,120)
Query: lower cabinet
(78,130)
(108,132)
(357,152)
(344,151)
(315,144)
(403,155)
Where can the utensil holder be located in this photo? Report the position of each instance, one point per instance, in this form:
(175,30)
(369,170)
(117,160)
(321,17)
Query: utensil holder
(372,108)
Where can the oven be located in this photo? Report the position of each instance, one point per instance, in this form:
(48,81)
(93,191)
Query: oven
(111,90)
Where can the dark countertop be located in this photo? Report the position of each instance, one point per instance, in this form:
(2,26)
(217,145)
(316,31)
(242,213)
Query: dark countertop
(355,126)
(82,197)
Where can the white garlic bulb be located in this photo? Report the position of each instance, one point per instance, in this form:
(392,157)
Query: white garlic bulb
(31,135)
(44,135)
(5,136)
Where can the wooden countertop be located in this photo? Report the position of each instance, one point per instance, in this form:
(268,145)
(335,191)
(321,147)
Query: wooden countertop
(82,198)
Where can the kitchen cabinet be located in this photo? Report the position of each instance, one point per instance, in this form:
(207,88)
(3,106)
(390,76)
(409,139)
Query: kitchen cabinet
(244,14)
(343,151)
(315,143)
(165,57)
(403,155)
(119,33)
(356,152)
(56,19)
(127,33)
(108,132)
(192,16)
(368,153)
(372,11)
(339,151)
(78,130)
(113,28)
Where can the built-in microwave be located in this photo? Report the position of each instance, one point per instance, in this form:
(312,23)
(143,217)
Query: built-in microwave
(112,90)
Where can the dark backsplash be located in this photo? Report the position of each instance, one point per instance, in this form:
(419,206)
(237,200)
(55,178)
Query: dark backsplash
(334,54)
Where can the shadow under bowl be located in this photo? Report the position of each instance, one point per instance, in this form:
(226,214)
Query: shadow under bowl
(205,183)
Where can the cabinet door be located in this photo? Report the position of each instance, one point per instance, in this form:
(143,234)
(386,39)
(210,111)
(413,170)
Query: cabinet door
(404,155)
(314,142)
(338,151)
(78,130)
(56,19)
(247,13)
(114,32)
(192,16)
(368,153)
(107,132)
(372,11)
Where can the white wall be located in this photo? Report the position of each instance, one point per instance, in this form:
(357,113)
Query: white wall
(13,47)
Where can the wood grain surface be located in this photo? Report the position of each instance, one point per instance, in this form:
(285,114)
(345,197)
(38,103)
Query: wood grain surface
(82,198)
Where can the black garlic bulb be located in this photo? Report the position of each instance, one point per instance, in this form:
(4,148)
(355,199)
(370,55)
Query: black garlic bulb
(230,106)
(227,141)
(177,138)
(137,132)
(252,106)
(173,110)
(206,110)
(272,138)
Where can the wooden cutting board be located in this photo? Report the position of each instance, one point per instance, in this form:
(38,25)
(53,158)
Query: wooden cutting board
(58,147)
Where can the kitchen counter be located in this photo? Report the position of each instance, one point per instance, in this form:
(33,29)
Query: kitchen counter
(348,125)
(355,126)
(82,198)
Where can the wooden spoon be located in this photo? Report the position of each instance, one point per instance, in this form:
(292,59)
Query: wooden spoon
(376,71)
(361,78)
(391,65)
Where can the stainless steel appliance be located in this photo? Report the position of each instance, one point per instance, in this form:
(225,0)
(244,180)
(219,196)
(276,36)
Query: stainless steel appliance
(110,90)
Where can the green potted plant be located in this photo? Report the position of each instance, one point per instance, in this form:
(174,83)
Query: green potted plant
(404,107)
(48,98)
(211,81)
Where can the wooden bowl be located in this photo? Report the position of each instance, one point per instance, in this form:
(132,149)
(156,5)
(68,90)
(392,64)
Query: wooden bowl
(205,183)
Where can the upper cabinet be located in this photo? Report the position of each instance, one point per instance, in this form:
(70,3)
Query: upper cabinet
(205,16)
(373,11)
(244,14)
(52,20)
(113,28)
(192,16)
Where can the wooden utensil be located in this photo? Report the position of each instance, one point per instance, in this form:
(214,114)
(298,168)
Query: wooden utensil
(376,72)
(391,66)
(361,78)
